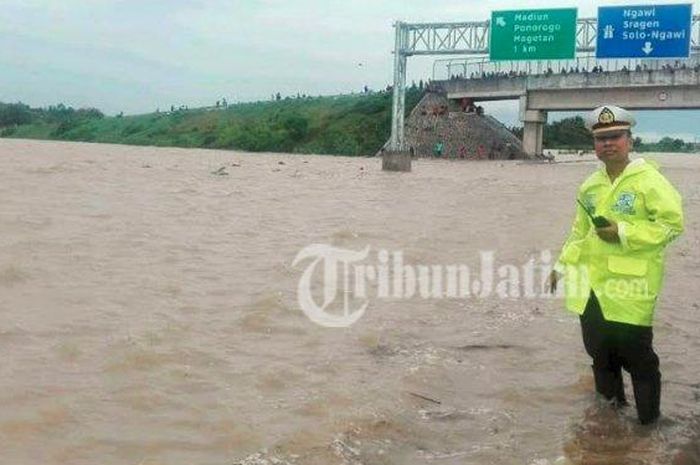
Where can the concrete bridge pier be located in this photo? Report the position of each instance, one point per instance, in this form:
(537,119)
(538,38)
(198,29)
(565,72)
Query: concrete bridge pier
(533,128)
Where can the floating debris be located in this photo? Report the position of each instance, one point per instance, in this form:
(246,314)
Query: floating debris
(421,396)
(220,172)
(486,346)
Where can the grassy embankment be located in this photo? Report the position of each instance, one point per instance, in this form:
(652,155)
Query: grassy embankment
(342,125)
(338,125)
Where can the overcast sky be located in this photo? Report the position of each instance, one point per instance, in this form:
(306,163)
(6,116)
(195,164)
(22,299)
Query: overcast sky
(139,55)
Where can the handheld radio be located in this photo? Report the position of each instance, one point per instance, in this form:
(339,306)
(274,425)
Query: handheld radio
(598,221)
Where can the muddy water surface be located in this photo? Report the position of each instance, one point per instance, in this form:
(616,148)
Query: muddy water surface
(149,315)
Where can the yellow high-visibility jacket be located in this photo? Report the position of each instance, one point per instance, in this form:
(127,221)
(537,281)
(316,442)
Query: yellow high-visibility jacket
(626,276)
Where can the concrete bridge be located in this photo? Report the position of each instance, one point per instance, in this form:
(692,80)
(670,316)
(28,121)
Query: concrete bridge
(663,88)
(657,87)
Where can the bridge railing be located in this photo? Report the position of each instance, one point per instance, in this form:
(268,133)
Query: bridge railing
(477,67)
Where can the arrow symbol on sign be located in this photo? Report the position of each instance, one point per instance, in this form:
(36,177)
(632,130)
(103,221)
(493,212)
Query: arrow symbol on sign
(609,32)
(647,48)
(500,21)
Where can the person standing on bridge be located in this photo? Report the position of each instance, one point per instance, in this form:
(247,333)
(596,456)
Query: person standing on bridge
(613,261)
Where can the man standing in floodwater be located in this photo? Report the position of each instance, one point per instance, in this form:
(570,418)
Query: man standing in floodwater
(613,261)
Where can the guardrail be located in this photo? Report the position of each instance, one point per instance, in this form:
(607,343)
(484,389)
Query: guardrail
(476,67)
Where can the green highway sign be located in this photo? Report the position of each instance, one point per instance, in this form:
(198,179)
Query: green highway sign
(533,34)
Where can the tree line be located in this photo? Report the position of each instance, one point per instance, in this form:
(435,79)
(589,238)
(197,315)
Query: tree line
(64,117)
(572,134)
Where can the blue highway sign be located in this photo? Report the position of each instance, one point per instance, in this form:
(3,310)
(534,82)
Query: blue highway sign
(644,31)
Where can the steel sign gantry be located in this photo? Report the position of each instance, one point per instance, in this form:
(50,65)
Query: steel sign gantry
(465,38)
(398,107)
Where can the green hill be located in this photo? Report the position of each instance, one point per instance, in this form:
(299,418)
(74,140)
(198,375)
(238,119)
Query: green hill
(338,125)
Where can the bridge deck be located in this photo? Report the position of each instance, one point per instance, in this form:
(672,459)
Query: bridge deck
(669,88)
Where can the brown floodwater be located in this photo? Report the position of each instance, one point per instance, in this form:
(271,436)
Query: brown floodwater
(149,315)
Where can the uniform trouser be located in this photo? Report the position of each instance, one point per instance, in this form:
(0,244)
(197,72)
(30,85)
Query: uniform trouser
(614,346)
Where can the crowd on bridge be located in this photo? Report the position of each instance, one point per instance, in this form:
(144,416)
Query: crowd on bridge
(598,69)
